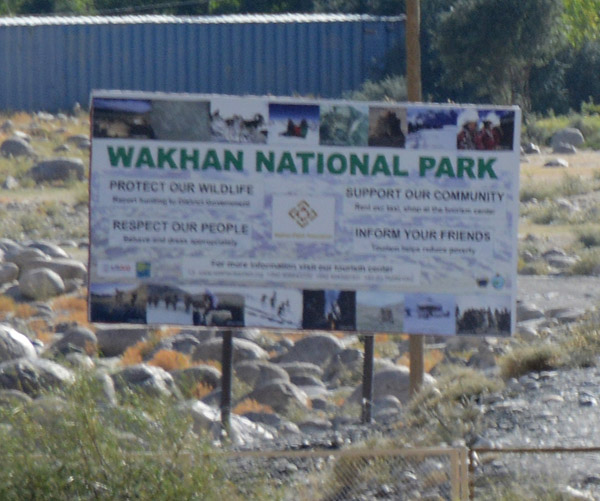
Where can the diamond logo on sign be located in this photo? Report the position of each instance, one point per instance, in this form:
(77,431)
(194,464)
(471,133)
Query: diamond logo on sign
(303,214)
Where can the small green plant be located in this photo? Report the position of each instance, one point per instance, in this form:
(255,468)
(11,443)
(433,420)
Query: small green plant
(588,264)
(589,236)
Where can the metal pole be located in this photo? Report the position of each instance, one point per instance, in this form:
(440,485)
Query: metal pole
(226,378)
(413,87)
(367,392)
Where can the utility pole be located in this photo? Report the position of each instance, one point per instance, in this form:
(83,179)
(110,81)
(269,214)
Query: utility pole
(413,84)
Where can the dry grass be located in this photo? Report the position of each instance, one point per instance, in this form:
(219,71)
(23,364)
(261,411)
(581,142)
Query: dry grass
(250,405)
(201,390)
(170,360)
(7,307)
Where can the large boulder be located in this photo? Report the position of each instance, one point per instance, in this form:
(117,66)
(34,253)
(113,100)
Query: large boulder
(198,374)
(13,344)
(207,420)
(150,380)
(16,147)
(393,381)
(67,268)
(569,135)
(259,372)
(58,169)
(302,369)
(8,272)
(76,338)
(23,255)
(242,350)
(316,348)
(113,340)
(33,375)
(49,249)
(279,395)
(41,284)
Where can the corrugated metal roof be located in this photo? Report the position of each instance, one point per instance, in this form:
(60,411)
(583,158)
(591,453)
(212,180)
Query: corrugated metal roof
(164,19)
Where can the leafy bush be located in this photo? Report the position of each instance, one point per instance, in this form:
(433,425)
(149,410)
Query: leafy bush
(82,450)
(391,88)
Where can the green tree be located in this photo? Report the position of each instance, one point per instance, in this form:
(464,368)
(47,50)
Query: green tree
(492,45)
(582,20)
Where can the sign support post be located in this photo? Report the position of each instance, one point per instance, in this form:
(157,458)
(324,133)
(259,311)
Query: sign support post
(413,71)
(226,380)
(367,393)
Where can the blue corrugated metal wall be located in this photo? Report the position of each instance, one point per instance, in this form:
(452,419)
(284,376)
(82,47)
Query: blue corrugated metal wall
(51,63)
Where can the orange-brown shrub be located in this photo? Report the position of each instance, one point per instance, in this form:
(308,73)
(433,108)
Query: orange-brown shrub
(7,305)
(212,363)
(134,354)
(24,310)
(201,389)
(251,405)
(170,360)
(41,329)
(72,309)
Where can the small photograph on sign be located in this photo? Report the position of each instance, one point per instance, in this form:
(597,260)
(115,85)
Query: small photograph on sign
(278,308)
(117,303)
(483,315)
(431,128)
(235,122)
(293,124)
(485,129)
(329,310)
(122,118)
(167,119)
(429,313)
(379,311)
(344,125)
(387,126)
(201,306)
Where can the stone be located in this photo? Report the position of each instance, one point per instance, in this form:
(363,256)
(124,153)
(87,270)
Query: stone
(34,375)
(8,272)
(569,135)
(14,345)
(21,256)
(279,395)
(113,340)
(302,369)
(528,311)
(242,350)
(531,148)
(258,372)
(564,148)
(207,419)
(78,337)
(10,183)
(41,284)
(153,381)
(66,268)
(316,348)
(58,169)
(557,162)
(16,147)
(49,249)
(190,377)
(183,343)
(392,381)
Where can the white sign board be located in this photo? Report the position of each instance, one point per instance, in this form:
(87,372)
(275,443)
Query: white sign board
(303,214)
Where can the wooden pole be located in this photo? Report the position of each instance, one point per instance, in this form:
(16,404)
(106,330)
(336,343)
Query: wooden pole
(413,87)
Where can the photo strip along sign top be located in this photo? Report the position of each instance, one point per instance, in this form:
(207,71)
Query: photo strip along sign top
(286,213)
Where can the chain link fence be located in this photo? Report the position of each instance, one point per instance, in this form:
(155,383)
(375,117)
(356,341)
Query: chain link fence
(354,474)
(535,474)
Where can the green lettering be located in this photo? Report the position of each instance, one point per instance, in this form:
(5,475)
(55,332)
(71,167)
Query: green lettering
(445,168)
(396,167)
(145,158)
(236,161)
(287,163)
(185,157)
(425,163)
(263,161)
(361,164)
(465,165)
(166,157)
(381,165)
(211,160)
(340,160)
(484,166)
(121,155)
(305,157)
